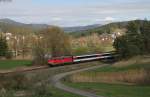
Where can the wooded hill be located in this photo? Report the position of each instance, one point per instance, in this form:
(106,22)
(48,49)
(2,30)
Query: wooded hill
(7,25)
(108,28)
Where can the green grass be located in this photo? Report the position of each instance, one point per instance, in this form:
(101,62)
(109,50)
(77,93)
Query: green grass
(113,90)
(59,93)
(108,48)
(117,69)
(51,92)
(9,64)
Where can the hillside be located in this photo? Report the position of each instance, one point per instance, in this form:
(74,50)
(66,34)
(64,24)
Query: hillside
(7,25)
(81,28)
(108,28)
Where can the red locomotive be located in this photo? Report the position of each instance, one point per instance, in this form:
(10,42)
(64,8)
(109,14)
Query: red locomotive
(60,60)
(76,59)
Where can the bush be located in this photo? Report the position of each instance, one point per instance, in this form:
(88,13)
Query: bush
(146,81)
(38,54)
(81,50)
(14,82)
(41,90)
(9,55)
(3,47)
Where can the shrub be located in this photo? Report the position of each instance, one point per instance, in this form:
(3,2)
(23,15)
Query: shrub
(11,85)
(40,90)
(81,50)
(15,81)
(9,55)
(38,54)
(3,47)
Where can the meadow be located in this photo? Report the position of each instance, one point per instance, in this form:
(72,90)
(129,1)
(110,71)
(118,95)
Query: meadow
(9,64)
(37,83)
(127,78)
(113,90)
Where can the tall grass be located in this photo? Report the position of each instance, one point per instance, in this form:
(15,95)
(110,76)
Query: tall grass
(132,61)
(137,76)
(134,71)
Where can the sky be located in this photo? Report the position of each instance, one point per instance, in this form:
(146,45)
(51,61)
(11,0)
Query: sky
(74,12)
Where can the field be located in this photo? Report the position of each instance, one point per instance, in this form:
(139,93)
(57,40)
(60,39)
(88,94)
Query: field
(59,93)
(9,64)
(37,83)
(113,90)
(123,79)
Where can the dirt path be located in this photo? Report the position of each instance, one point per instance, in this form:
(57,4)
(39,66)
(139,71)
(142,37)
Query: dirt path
(56,80)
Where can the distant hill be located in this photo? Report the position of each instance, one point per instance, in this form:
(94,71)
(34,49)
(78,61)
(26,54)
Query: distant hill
(81,28)
(9,21)
(7,25)
(108,28)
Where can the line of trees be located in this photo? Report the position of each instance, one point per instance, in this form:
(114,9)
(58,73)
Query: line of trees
(4,50)
(52,41)
(136,41)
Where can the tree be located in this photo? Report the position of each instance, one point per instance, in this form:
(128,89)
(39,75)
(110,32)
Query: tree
(136,40)
(145,31)
(56,41)
(3,47)
(128,47)
(38,54)
(133,28)
(52,41)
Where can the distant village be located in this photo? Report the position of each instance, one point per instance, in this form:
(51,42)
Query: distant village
(20,44)
(104,38)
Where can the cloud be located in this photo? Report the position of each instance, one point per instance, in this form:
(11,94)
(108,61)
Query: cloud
(99,20)
(109,19)
(56,19)
(135,18)
(102,11)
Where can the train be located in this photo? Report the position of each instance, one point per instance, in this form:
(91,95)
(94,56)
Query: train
(57,61)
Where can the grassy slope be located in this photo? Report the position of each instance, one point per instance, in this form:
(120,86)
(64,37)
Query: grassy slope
(112,90)
(111,68)
(42,75)
(53,92)
(115,90)
(8,64)
(59,93)
(117,69)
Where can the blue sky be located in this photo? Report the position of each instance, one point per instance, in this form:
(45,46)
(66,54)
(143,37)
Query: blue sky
(74,12)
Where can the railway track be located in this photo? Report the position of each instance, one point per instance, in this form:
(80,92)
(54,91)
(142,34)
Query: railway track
(78,59)
(23,70)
